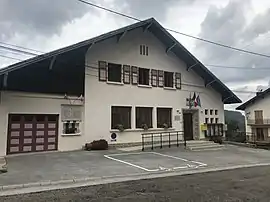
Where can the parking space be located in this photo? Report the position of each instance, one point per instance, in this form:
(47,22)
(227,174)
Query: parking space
(154,161)
(82,164)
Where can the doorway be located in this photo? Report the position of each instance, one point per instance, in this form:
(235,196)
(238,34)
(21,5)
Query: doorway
(188,126)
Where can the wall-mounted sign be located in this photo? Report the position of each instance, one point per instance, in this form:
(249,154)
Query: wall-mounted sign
(203,127)
(113,137)
(193,101)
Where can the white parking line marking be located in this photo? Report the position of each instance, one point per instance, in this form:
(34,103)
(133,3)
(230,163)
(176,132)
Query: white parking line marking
(199,164)
(131,164)
(175,157)
(125,154)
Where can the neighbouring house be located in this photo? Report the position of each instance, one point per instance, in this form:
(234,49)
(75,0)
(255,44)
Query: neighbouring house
(257,117)
(132,78)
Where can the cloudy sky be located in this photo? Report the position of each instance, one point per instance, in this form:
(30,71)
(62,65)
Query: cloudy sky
(49,24)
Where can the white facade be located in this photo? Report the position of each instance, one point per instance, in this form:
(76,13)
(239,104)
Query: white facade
(30,103)
(101,96)
(259,104)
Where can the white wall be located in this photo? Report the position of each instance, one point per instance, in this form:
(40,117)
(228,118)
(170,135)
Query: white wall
(29,103)
(100,96)
(260,104)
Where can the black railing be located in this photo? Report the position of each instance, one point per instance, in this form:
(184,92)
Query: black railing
(258,121)
(160,139)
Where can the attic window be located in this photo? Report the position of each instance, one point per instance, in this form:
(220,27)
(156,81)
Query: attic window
(143,50)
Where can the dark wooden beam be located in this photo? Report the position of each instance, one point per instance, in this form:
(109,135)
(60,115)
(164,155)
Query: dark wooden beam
(190,67)
(147,27)
(170,48)
(209,83)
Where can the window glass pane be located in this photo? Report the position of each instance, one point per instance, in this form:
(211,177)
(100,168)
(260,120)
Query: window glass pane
(114,72)
(71,127)
(168,79)
(143,76)
(164,117)
(144,116)
(120,116)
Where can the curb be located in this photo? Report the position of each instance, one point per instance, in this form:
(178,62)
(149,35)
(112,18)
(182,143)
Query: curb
(90,181)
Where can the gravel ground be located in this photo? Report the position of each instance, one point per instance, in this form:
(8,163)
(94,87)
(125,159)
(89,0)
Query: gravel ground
(247,184)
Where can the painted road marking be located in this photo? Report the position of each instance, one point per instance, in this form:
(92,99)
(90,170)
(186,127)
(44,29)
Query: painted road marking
(131,164)
(161,168)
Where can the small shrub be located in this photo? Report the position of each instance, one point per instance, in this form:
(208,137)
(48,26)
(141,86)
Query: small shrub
(144,126)
(97,145)
(120,127)
(165,126)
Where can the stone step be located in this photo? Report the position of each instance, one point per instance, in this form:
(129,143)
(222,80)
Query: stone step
(208,149)
(200,143)
(205,146)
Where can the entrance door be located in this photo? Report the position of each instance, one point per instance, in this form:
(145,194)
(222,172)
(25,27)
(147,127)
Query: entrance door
(32,133)
(260,134)
(188,126)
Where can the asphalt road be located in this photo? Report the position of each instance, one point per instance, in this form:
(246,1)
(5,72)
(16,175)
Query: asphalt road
(247,184)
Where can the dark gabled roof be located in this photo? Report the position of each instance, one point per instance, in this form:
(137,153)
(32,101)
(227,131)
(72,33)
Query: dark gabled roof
(162,34)
(259,95)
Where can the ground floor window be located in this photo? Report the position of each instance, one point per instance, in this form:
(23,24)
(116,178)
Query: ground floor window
(71,116)
(71,127)
(164,117)
(144,117)
(120,117)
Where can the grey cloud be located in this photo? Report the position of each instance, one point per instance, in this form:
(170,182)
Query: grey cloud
(229,26)
(151,8)
(259,25)
(37,17)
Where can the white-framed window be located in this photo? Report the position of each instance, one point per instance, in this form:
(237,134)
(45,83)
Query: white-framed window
(71,117)
(144,116)
(115,72)
(144,75)
(164,116)
(120,115)
(168,79)
(71,127)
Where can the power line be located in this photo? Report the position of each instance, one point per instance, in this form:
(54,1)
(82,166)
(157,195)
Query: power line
(242,68)
(4,56)
(96,69)
(30,49)
(177,32)
(17,50)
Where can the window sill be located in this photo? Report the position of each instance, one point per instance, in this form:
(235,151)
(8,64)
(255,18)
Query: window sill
(73,134)
(169,88)
(115,83)
(144,86)
(140,130)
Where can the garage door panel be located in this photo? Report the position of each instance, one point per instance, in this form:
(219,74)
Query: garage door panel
(32,133)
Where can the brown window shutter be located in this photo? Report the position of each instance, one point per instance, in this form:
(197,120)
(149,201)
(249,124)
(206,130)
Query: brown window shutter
(102,71)
(154,77)
(160,78)
(134,75)
(126,74)
(178,80)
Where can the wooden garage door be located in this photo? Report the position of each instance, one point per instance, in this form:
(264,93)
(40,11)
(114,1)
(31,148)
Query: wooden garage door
(32,133)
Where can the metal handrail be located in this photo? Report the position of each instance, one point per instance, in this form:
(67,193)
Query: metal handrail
(258,121)
(161,136)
